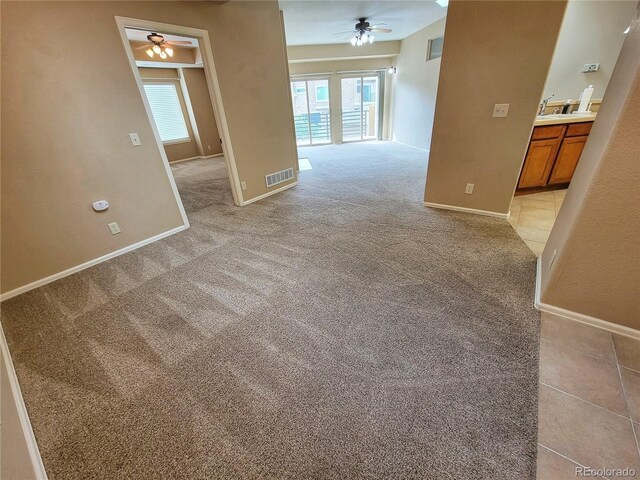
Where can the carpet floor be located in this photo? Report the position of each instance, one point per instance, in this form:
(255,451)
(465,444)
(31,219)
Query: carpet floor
(339,330)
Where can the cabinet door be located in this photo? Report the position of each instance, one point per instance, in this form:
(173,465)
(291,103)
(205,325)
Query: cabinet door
(538,163)
(567,160)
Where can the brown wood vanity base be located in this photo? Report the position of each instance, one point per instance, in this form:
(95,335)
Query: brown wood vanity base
(552,157)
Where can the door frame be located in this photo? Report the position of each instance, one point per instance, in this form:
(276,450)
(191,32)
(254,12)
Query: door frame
(215,95)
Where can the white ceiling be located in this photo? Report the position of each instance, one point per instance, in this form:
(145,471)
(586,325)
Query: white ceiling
(312,22)
(141,36)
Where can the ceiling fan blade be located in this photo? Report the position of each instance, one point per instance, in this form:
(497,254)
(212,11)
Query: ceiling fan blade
(179,42)
(380,30)
(345,32)
(378,25)
(146,45)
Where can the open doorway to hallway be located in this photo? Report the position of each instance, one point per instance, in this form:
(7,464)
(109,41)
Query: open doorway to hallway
(175,87)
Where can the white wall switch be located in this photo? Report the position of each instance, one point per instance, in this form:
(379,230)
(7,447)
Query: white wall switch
(590,67)
(209,147)
(500,109)
(135,139)
(100,205)
(469,188)
(115,229)
(243,185)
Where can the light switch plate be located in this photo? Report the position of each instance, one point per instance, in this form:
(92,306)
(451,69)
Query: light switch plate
(500,109)
(469,188)
(135,139)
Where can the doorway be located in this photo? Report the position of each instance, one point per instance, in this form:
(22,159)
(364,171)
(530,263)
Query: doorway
(361,112)
(171,97)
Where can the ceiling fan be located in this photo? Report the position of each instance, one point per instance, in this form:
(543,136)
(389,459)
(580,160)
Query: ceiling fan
(162,47)
(362,32)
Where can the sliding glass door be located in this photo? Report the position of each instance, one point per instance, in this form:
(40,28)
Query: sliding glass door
(311,111)
(360,108)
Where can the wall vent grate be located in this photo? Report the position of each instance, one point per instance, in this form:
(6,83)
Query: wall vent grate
(279,177)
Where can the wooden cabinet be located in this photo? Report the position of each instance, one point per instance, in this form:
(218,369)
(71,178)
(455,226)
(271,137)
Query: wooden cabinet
(552,156)
(538,163)
(567,160)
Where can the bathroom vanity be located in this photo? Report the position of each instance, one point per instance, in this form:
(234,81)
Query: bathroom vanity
(554,152)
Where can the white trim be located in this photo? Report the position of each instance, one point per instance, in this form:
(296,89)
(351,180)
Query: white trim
(214,92)
(268,194)
(122,24)
(199,157)
(18,400)
(189,106)
(579,317)
(90,263)
(466,210)
(177,140)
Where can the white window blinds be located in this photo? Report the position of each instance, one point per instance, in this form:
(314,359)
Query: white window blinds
(167,112)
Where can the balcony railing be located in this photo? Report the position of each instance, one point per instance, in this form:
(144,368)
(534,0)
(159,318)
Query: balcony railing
(312,128)
(315,128)
(352,129)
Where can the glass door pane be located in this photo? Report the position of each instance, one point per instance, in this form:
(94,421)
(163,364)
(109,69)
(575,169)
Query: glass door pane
(319,111)
(351,89)
(370,107)
(301,112)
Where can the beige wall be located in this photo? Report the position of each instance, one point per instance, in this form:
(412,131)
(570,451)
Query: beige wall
(83,152)
(205,139)
(591,32)
(15,460)
(480,68)
(341,51)
(181,150)
(416,88)
(596,270)
(205,119)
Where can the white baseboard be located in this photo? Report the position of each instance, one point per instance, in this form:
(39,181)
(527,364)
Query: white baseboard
(90,263)
(466,210)
(268,194)
(579,317)
(199,157)
(18,400)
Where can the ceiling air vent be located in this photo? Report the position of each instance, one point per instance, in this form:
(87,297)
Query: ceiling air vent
(279,177)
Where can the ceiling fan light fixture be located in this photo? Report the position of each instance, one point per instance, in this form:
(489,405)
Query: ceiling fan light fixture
(370,38)
(169,51)
(163,55)
(354,40)
(156,49)
(149,52)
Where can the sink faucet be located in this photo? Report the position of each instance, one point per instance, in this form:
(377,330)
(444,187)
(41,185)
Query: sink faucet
(543,105)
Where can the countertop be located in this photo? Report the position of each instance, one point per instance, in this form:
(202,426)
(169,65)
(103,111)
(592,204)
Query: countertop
(561,119)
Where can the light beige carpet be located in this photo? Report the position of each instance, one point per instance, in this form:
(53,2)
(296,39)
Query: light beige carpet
(337,330)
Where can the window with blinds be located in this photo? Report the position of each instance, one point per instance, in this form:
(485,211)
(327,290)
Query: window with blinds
(167,111)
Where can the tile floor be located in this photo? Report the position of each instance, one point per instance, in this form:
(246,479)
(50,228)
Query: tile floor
(589,406)
(533,216)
